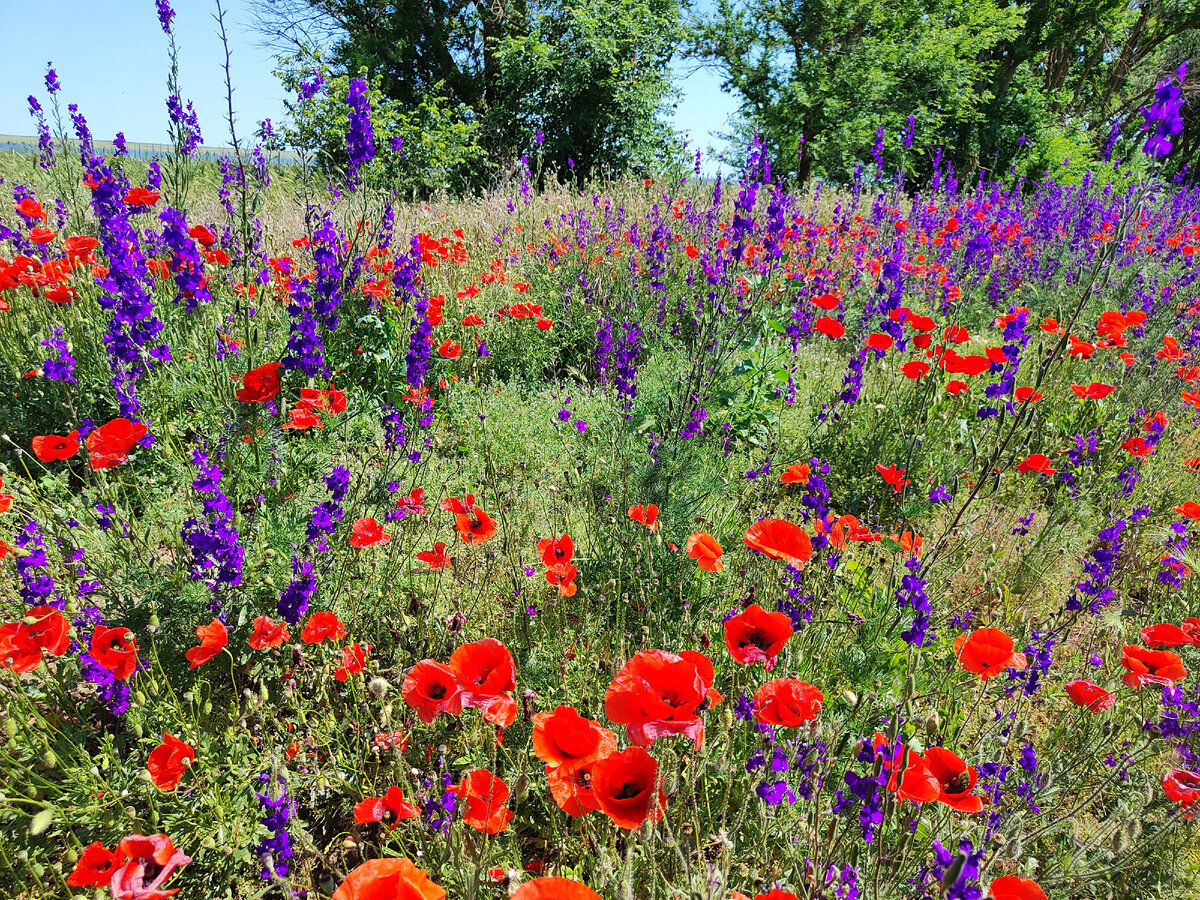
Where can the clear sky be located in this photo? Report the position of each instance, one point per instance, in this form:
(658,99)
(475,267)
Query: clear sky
(112,60)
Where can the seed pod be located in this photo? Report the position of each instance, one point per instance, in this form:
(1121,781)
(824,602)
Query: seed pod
(43,820)
(50,760)
(10,728)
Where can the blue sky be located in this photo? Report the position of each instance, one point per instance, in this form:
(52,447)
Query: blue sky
(111,59)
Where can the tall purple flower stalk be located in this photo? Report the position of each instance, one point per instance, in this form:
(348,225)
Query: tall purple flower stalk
(216,554)
(185,262)
(360,137)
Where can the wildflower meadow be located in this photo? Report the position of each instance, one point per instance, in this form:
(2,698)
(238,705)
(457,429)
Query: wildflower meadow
(656,537)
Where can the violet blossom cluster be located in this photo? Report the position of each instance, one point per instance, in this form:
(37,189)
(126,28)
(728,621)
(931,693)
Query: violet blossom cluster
(360,137)
(278,809)
(216,554)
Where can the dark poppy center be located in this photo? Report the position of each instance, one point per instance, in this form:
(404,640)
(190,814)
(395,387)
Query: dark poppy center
(438,691)
(757,638)
(628,791)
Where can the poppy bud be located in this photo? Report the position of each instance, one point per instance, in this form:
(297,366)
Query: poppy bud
(264,692)
(378,687)
(1120,843)
(933,723)
(49,760)
(208,843)
(726,718)
(139,699)
(10,728)
(850,698)
(137,729)
(953,872)
(1020,728)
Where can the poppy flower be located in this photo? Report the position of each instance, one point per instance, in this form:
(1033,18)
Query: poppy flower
(213,638)
(140,196)
(483,796)
(552,888)
(829,327)
(659,694)
(302,417)
(1165,635)
(95,867)
(556,550)
(571,789)
(565,739)
(330,401)
(5,500)
(30,209)
(1190,509)
(1085,693)
(150,861)
(1183,787)
(354,658)
(109,445)
(449,350)
(627,788)
(437,557)
(780,539)
(1036,462)
(910,778)
(915,370)
(703,547)
(787,702)
(431,688)
(485,670)
(647,515)
(168,761)
(879,342)
(390,808)
(987,652)
(796,473)
(956,387)
(42,628)
(893,476)
(562,576)
(51,447)
(475,526)
(260,385)
(756,635)
(1095,391)
(1010,887)
(367,533)
(1150,667)
(471,321)
(322,626)
(115,649)
(201,234)
(1027,395)
(388,879)
(955,778)
(268,633)
(776,894)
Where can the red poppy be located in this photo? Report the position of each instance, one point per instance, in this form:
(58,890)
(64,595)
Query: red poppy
(109,445)
(829,327)
(95,867)
(780,539)
(647,515)
(1027,395)
(659,694)
(431,688)
(915,370)
(450,350)
(1183,787)
(42,236)
(367,533)
(268,633)
(554,889)
(213,638)
(987,652)
(627,788)
(1094,391)
(1190,509)
(776,894)
(756,635)
(51,447)
(1165,635)
(390,808)
(388,879)
(354,658)
(565,739)
(5,500)
(471,321)
(484,795)
(43,628)
(1151,667)
(30,209)
(331,401)
(437,557)
(956,779)
(302,417)
(168,761)
(880,342)
(322,626)
(556,550)
(956,387)
(475,526)
(486,672)
(703,547)
(893,476)
(140,196)
(1085,693)
(787,702)
(910,778)
(571,789)
(563,577)
(260,385)
(150,860)
(203,235)
(1010,887)
(796,473)
(115,649)
(1036,462)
